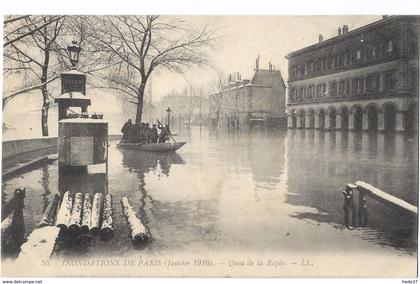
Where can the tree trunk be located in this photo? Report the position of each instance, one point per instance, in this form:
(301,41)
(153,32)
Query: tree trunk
(45,95)
(140,97)
(44,111)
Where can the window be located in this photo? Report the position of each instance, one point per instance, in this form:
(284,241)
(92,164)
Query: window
(311,91)
(336,61)
(357,86)
(310,67)
(346,58)
(301,93)
(294,73)
(334,89)
(321,90)
(318,65)
(302,70)
(390,80)
(413,79)
(371,52)
(339,61)
(293,94)
(372,83)
(341,88)
(330,62)
(390,46)
(347,88)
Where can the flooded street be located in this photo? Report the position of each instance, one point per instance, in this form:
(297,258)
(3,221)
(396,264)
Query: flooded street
(256,193)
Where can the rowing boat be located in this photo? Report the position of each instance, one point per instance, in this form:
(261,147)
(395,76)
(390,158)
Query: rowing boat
(153,147)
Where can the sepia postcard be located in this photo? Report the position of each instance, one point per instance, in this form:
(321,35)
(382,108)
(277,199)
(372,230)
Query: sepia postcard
(210,145)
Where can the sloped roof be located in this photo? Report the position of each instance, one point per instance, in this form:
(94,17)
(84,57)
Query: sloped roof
(264,77)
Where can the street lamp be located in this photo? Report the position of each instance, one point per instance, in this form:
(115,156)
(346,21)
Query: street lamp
(74,52)
(169,115)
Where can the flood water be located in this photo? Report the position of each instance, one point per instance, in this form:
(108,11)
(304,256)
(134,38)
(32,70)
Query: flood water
(257,192)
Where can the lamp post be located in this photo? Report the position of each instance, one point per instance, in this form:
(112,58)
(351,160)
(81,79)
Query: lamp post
(169,116)
(74,52)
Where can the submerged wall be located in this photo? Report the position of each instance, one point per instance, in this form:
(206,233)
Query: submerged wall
(16,147)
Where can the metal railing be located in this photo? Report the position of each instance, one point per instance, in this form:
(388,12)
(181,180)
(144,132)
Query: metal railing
(358,215)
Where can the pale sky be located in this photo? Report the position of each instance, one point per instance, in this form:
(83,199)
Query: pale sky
(246,37)
(243,38)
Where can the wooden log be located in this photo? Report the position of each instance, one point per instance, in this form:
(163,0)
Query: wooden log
(16,202)
(107,230)
(86,213)
(96,214)
(64,214)
(386,198)
(139,232)
(76,214)
(12,233)
(50,213)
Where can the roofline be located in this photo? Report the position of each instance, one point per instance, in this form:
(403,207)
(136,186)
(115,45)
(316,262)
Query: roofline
(343,36)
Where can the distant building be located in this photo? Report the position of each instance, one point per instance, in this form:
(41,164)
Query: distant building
(185,109)
(250,103)
(367,78)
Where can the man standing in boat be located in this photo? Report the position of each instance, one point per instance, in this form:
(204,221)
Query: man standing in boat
(125,131)
(164,133)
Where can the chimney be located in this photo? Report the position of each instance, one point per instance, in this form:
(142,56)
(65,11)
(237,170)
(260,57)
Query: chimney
(345,29)
(320,38)
(238,77)
(257,63)
(339,31)
(269,66)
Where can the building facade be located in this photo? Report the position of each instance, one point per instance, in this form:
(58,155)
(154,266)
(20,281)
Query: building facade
(365,79)
(259,102)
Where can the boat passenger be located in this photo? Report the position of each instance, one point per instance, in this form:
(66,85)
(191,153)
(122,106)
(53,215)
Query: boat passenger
(148,133)
(154,134)
(125,131)
(142,133)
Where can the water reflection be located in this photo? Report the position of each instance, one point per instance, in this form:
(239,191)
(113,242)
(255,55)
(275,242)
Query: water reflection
(318,171)
(84,182)
(143,162)
(256,191)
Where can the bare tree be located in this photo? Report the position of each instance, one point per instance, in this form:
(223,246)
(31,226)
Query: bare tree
(18,27)
(34,53)
(41,56)
(138,45)
(216,99)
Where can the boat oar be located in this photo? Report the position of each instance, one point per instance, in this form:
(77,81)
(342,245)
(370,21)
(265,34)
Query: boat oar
(170,135)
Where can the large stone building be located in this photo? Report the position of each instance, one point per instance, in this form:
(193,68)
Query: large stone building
(258,102)
(367,78)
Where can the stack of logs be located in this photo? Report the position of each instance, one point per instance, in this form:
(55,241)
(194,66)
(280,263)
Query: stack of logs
(78,214)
